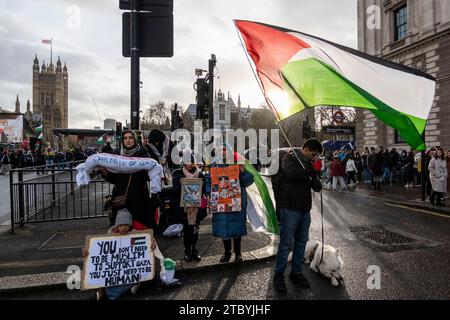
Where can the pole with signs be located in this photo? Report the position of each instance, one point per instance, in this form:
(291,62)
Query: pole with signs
(147,31)
(212,64)
(134,54)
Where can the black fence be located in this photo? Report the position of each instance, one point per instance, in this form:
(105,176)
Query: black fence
(50,193)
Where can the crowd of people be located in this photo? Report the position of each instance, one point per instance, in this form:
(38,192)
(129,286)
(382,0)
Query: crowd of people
(378,167)
(44,156)
(132,205)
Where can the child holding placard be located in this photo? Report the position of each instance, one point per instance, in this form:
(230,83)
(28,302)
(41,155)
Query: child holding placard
(123,225)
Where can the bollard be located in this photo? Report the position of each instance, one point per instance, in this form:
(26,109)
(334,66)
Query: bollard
(11,199)
(53,185)
(21,208)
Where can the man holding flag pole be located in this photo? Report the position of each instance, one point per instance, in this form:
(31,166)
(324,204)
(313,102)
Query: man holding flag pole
(296,71)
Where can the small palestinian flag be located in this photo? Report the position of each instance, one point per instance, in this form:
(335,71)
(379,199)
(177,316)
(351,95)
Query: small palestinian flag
(138,241)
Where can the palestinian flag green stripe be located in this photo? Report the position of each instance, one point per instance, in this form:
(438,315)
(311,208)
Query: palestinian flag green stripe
(311,83)
(262,214)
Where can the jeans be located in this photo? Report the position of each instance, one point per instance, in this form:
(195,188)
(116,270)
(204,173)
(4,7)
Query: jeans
(367,175)
(386,175)
(294,232)
(115,292)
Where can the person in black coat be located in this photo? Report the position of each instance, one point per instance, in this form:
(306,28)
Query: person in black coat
(138,200)
(295,206)
(159,148)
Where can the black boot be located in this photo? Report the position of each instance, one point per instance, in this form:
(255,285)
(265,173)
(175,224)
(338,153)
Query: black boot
(433,195)
(187,237)
(237,249)
(194,251)
(278,283)
(439,200)
(227,255)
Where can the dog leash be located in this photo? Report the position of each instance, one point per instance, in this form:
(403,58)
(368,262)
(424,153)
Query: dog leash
(321,213)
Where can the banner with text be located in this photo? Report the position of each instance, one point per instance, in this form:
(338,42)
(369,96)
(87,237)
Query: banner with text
(114,260)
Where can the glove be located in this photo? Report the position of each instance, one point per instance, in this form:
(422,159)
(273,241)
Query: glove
(316,185)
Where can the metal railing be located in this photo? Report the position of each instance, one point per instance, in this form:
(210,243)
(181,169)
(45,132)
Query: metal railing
(49,193)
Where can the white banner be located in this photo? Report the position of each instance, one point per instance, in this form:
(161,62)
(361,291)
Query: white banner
(13,129)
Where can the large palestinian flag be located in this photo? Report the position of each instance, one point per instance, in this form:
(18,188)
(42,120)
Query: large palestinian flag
(299,71)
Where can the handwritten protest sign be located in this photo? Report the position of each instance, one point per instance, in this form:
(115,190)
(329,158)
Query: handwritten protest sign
(191,192)
(118,259)
(225,189)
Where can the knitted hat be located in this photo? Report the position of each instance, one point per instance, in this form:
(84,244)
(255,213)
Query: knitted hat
(124,217)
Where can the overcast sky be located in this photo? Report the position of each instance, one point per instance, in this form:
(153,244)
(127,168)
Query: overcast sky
(93,51)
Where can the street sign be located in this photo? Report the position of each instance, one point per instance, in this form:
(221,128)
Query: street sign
(339,117)
(149,5)
(155,35)
(338,130)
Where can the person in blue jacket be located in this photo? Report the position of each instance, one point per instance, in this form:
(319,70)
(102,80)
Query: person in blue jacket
(231,225)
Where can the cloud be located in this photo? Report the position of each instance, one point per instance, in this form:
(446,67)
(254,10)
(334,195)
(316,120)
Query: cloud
(94,55)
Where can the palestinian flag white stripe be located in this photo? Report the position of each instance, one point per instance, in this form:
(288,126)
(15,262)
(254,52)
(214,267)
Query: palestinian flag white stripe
(407,92)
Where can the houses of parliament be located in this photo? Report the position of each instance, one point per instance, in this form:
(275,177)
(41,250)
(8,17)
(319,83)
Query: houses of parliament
(50,96)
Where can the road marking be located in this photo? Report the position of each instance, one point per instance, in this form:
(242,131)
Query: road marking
(418,210)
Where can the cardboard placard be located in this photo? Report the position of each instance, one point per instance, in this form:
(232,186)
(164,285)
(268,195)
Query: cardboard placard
(114,259)
(191,192)
(225,189)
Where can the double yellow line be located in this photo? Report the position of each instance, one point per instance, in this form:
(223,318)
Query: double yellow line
(418,210)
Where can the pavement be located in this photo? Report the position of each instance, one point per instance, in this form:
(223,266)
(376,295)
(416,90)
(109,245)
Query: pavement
(38,255)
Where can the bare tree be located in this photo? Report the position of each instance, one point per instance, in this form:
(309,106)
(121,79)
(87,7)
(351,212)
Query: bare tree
(155,116)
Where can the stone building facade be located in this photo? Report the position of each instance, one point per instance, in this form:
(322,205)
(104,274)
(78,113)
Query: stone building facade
(50,97)
(415,33)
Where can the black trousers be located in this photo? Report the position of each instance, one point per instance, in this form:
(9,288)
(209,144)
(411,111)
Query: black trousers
(438,195)
(190,237)
(236,244)
(351,176)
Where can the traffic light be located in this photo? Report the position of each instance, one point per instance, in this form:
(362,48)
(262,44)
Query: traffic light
(118,131)
(202,89)
(118,128)
(179,121)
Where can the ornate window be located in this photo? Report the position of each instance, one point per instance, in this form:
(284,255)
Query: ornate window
(400,23)
(222,112)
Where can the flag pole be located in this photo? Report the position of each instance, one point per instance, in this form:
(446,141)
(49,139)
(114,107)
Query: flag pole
(284,134)
(51,50)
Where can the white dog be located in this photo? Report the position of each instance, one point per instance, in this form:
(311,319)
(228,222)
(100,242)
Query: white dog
(331,263)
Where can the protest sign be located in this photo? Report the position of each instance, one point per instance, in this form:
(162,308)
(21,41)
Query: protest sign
(191,192)
(114,260)
(120,164)
(225,189)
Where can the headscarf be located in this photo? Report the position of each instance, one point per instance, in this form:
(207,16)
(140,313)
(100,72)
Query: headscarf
(161,151)
(136,150)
